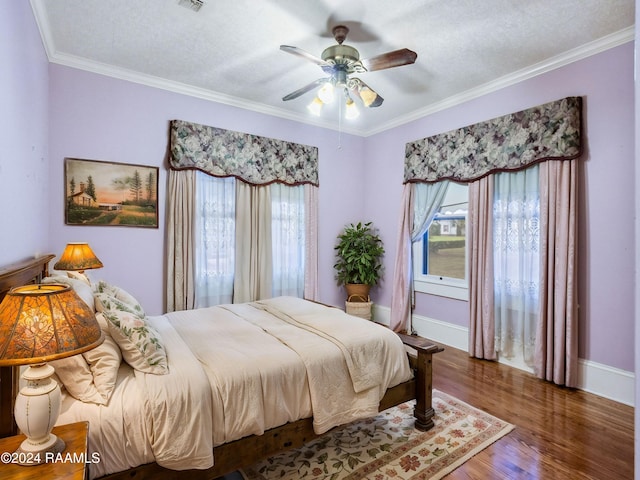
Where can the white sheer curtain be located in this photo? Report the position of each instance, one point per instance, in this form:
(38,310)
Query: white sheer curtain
(288,239)
(311,289)
(215,240)
(428,200)
(516,251)
(420,203)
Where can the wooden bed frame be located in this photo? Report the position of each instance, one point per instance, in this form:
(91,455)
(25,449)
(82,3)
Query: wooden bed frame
(246,451)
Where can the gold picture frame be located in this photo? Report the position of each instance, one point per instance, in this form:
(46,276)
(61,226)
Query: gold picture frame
(100,193)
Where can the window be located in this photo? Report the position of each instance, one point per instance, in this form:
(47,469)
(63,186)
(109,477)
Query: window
(215,239)
(288,241)
(216,244)
(440,256)
(516,263)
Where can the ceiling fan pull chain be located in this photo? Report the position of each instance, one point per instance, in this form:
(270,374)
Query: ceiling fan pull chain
(340,125)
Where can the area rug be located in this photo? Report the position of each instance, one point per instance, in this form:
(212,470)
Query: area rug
(388,447)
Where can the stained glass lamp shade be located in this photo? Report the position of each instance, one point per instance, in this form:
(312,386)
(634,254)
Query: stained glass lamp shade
(78,256)
(39,323)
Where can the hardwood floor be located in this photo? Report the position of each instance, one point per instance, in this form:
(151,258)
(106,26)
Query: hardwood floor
(560,433)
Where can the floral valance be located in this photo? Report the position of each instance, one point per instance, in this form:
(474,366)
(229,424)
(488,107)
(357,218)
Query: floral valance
(250,158)
(547,132)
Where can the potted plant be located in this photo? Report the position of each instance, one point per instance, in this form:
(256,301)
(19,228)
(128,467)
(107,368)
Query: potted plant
(358,259)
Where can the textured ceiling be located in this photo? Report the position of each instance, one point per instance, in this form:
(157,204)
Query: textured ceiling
(229,50)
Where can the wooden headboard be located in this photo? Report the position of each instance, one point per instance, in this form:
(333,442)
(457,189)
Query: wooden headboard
(15,275)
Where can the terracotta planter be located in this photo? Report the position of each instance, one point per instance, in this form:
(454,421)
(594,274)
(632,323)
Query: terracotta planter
(357,292)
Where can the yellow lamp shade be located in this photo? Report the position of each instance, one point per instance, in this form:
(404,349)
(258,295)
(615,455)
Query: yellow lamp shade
(78,256)
(39,323)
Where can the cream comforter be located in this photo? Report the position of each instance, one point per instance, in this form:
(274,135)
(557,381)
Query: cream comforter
(238,370)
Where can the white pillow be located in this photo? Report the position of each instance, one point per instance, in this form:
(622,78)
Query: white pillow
(140,344)
(104,362)
(79,276)
(77,379)
(91,376)
(82,289)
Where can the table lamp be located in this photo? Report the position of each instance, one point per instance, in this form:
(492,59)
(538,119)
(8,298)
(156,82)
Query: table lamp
(78,256)
(40,323)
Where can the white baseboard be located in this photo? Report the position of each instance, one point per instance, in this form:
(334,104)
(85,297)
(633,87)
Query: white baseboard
(606,381)
(596,378)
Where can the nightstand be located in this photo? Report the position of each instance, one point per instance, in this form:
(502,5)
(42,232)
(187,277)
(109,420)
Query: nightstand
(68,465)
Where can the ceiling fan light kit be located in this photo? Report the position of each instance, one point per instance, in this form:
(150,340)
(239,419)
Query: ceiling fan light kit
(315,107)
(351,111)
(369,97)
(339,62)
(326,93)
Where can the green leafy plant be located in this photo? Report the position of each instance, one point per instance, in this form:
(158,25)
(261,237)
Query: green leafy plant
(359,254)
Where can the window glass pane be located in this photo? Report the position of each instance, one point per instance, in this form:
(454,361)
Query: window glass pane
(288,241)
(215,240)
(444,243)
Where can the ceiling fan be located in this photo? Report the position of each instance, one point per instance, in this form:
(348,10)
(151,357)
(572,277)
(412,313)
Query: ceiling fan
(339,62)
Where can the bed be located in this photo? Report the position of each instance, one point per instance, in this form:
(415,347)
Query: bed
(217,389)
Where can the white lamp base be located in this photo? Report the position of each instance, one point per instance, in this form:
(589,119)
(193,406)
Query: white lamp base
(25,455)
(36,411)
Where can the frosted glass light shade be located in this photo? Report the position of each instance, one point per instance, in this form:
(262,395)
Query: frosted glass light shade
(315,106)
(326,93)
(351,110)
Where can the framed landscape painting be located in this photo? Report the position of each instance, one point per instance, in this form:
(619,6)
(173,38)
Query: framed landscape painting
(110,193)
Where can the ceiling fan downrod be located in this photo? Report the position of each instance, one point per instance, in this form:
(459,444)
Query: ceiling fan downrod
(340,33)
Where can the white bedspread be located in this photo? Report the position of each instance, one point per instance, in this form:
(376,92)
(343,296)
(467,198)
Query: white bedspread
(343,357)
(161,418)
(238,370)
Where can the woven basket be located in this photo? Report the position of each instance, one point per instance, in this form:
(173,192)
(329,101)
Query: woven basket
(359,306)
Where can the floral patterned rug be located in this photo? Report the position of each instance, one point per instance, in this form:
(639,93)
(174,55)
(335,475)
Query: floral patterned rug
(388,447)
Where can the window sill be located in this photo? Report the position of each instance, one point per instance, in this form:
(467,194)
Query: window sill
(442,289)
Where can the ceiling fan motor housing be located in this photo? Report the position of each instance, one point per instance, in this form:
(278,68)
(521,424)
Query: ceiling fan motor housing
(340,54)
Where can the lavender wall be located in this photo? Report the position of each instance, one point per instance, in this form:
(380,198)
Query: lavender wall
(606,228)
(101,118)
(24,182)
(637,256)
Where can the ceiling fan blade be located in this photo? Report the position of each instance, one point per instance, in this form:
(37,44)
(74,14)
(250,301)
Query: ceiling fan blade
(305,89)
(306,55)
(397,58)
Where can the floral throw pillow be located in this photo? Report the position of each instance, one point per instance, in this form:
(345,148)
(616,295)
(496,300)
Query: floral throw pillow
(109,297)
(140,344)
